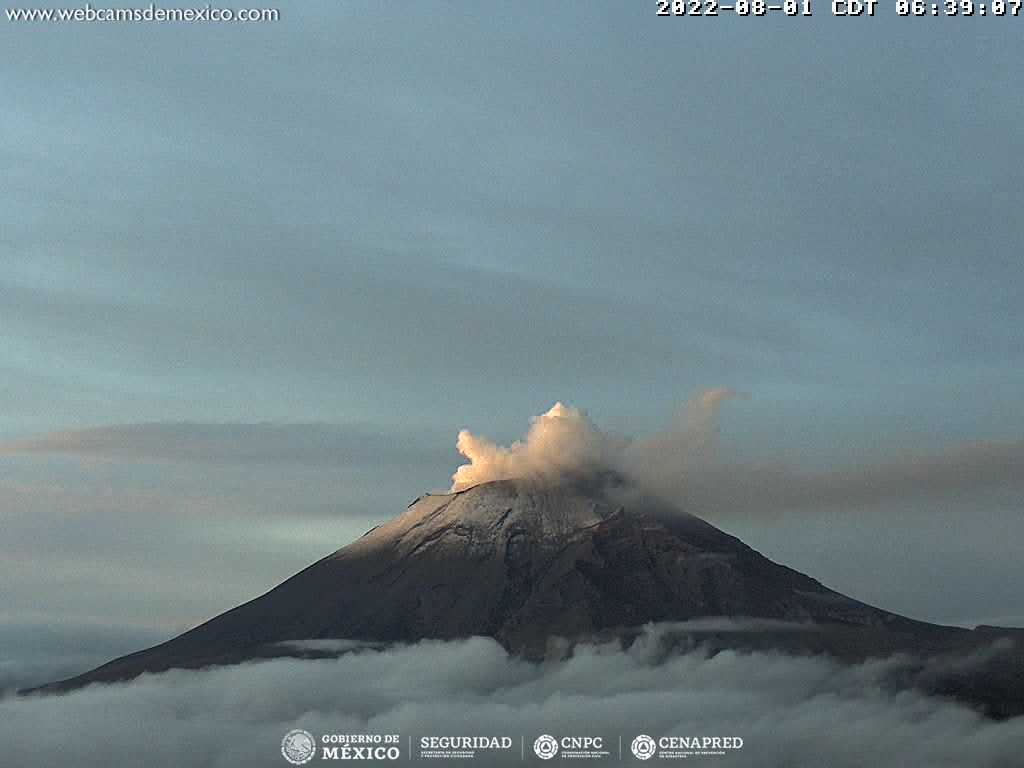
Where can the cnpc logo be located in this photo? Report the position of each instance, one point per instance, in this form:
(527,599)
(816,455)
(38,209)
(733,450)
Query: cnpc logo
(547,746)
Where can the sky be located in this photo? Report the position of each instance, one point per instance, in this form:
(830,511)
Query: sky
(254,279)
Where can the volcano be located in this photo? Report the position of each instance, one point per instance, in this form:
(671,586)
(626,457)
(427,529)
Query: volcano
(541,566)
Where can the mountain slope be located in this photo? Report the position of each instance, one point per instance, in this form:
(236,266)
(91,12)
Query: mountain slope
(524,563)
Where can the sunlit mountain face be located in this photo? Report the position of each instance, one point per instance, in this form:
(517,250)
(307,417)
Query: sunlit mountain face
(542,566)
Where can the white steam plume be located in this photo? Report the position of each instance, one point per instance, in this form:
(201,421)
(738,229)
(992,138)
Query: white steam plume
(562,441)
(683,464)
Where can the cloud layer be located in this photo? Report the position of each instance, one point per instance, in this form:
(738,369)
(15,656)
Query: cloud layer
(797,712)
(231,443)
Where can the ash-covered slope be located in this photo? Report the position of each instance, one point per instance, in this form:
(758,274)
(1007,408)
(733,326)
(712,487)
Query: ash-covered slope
(524,563)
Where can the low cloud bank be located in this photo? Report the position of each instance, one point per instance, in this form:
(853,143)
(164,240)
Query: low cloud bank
(797,712)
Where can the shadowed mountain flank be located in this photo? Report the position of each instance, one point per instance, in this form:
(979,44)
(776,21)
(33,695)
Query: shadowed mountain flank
(527,563)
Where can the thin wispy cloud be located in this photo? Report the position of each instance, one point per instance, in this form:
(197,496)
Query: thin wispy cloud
(197,443)
(963,467)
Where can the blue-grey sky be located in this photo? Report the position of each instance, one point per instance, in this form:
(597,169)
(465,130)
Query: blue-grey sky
(254,278)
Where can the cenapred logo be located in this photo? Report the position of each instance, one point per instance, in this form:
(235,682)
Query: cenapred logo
(680,747)
(298,746)
(643,747)
(546,747)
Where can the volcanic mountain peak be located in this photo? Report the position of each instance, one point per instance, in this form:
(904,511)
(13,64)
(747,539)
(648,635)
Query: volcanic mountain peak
(524,563)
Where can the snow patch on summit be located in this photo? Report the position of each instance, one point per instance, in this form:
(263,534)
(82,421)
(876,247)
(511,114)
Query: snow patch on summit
(484,516)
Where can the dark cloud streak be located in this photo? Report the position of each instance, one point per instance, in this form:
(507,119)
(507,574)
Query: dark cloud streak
(721,486)
(195,443)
